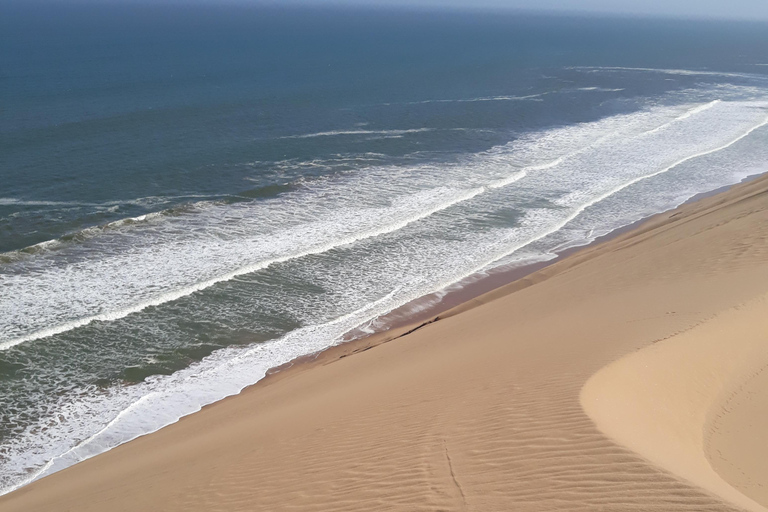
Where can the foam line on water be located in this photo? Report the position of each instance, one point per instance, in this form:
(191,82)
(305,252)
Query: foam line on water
(182,292)
(527,97)
(682,72)
(9,201)
(578,211)
(511,179)
(600,89)
(487,98)
(92,231)
(201,285)
(692,112)
(177,294)
(360,316)
(357,132)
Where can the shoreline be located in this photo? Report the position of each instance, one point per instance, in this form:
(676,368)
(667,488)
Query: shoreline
(401,322)
(451,319)
(502,276)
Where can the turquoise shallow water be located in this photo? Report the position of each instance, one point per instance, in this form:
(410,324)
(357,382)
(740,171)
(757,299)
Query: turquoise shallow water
(190,198)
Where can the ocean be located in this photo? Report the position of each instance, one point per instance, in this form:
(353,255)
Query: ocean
(191,195)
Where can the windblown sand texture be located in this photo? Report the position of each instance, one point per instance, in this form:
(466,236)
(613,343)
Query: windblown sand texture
(482,409)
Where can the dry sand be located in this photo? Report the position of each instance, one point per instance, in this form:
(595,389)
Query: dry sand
(660,333)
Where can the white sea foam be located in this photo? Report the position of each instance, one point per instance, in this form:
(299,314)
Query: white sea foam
(599,89)
(85,304)
(525,97)
(679,72)
(682,72)
(142,201)
(688,113)
(454,198)
(357,132)
(9,201)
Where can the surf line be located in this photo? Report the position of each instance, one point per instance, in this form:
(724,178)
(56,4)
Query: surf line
(682,72)
(578,211)
(360,316)
(696,110)
(185,291)
(174,295)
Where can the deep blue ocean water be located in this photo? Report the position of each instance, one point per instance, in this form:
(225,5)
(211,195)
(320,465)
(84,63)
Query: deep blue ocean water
(192,195)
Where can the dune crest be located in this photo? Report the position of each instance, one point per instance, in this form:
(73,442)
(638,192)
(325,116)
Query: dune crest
(665,401)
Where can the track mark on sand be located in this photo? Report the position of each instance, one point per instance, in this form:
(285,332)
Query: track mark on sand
(453,476)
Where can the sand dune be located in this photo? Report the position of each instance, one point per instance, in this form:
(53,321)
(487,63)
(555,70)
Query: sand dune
(735,439)
(670,401)
(481,409)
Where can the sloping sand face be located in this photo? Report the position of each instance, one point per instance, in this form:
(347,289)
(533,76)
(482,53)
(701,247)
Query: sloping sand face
(477,411)
(671,402)
(736,442)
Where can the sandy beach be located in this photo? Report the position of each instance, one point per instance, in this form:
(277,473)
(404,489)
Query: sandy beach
(627,376)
